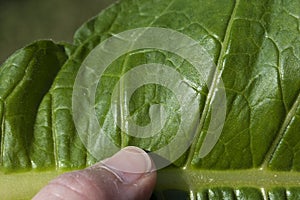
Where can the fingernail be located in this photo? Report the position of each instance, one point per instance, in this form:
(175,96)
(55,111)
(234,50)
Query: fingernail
(129,164)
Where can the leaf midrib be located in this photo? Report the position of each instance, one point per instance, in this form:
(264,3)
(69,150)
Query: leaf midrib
(188,180)
(195,179)
(191,179)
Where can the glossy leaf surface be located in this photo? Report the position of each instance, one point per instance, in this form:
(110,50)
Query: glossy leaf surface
(255,46)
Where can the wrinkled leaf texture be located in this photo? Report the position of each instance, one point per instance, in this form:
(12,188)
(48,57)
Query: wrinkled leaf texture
(256,48)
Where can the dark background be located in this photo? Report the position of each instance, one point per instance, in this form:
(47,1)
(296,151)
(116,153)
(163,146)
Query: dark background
(24,21)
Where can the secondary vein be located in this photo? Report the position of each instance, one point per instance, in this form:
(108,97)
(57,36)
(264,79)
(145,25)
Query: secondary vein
(219,69)
(124,111)
(281,133)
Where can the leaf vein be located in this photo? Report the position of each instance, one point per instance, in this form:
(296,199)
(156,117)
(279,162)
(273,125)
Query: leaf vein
(288,119)
(198,137)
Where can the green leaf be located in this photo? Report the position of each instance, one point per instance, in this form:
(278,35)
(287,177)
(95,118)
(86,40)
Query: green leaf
(255,47)
(25,78)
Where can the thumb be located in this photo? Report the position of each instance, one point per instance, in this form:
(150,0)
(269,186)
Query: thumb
(129,174)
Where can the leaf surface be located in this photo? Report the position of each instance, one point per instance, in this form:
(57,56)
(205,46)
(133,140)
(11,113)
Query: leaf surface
(255,47)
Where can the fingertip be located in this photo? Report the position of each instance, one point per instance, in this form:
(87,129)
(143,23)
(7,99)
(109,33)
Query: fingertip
(129,164)
(135,171)
(129,174)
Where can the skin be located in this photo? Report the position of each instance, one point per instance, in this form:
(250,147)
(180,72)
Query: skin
(133,180)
